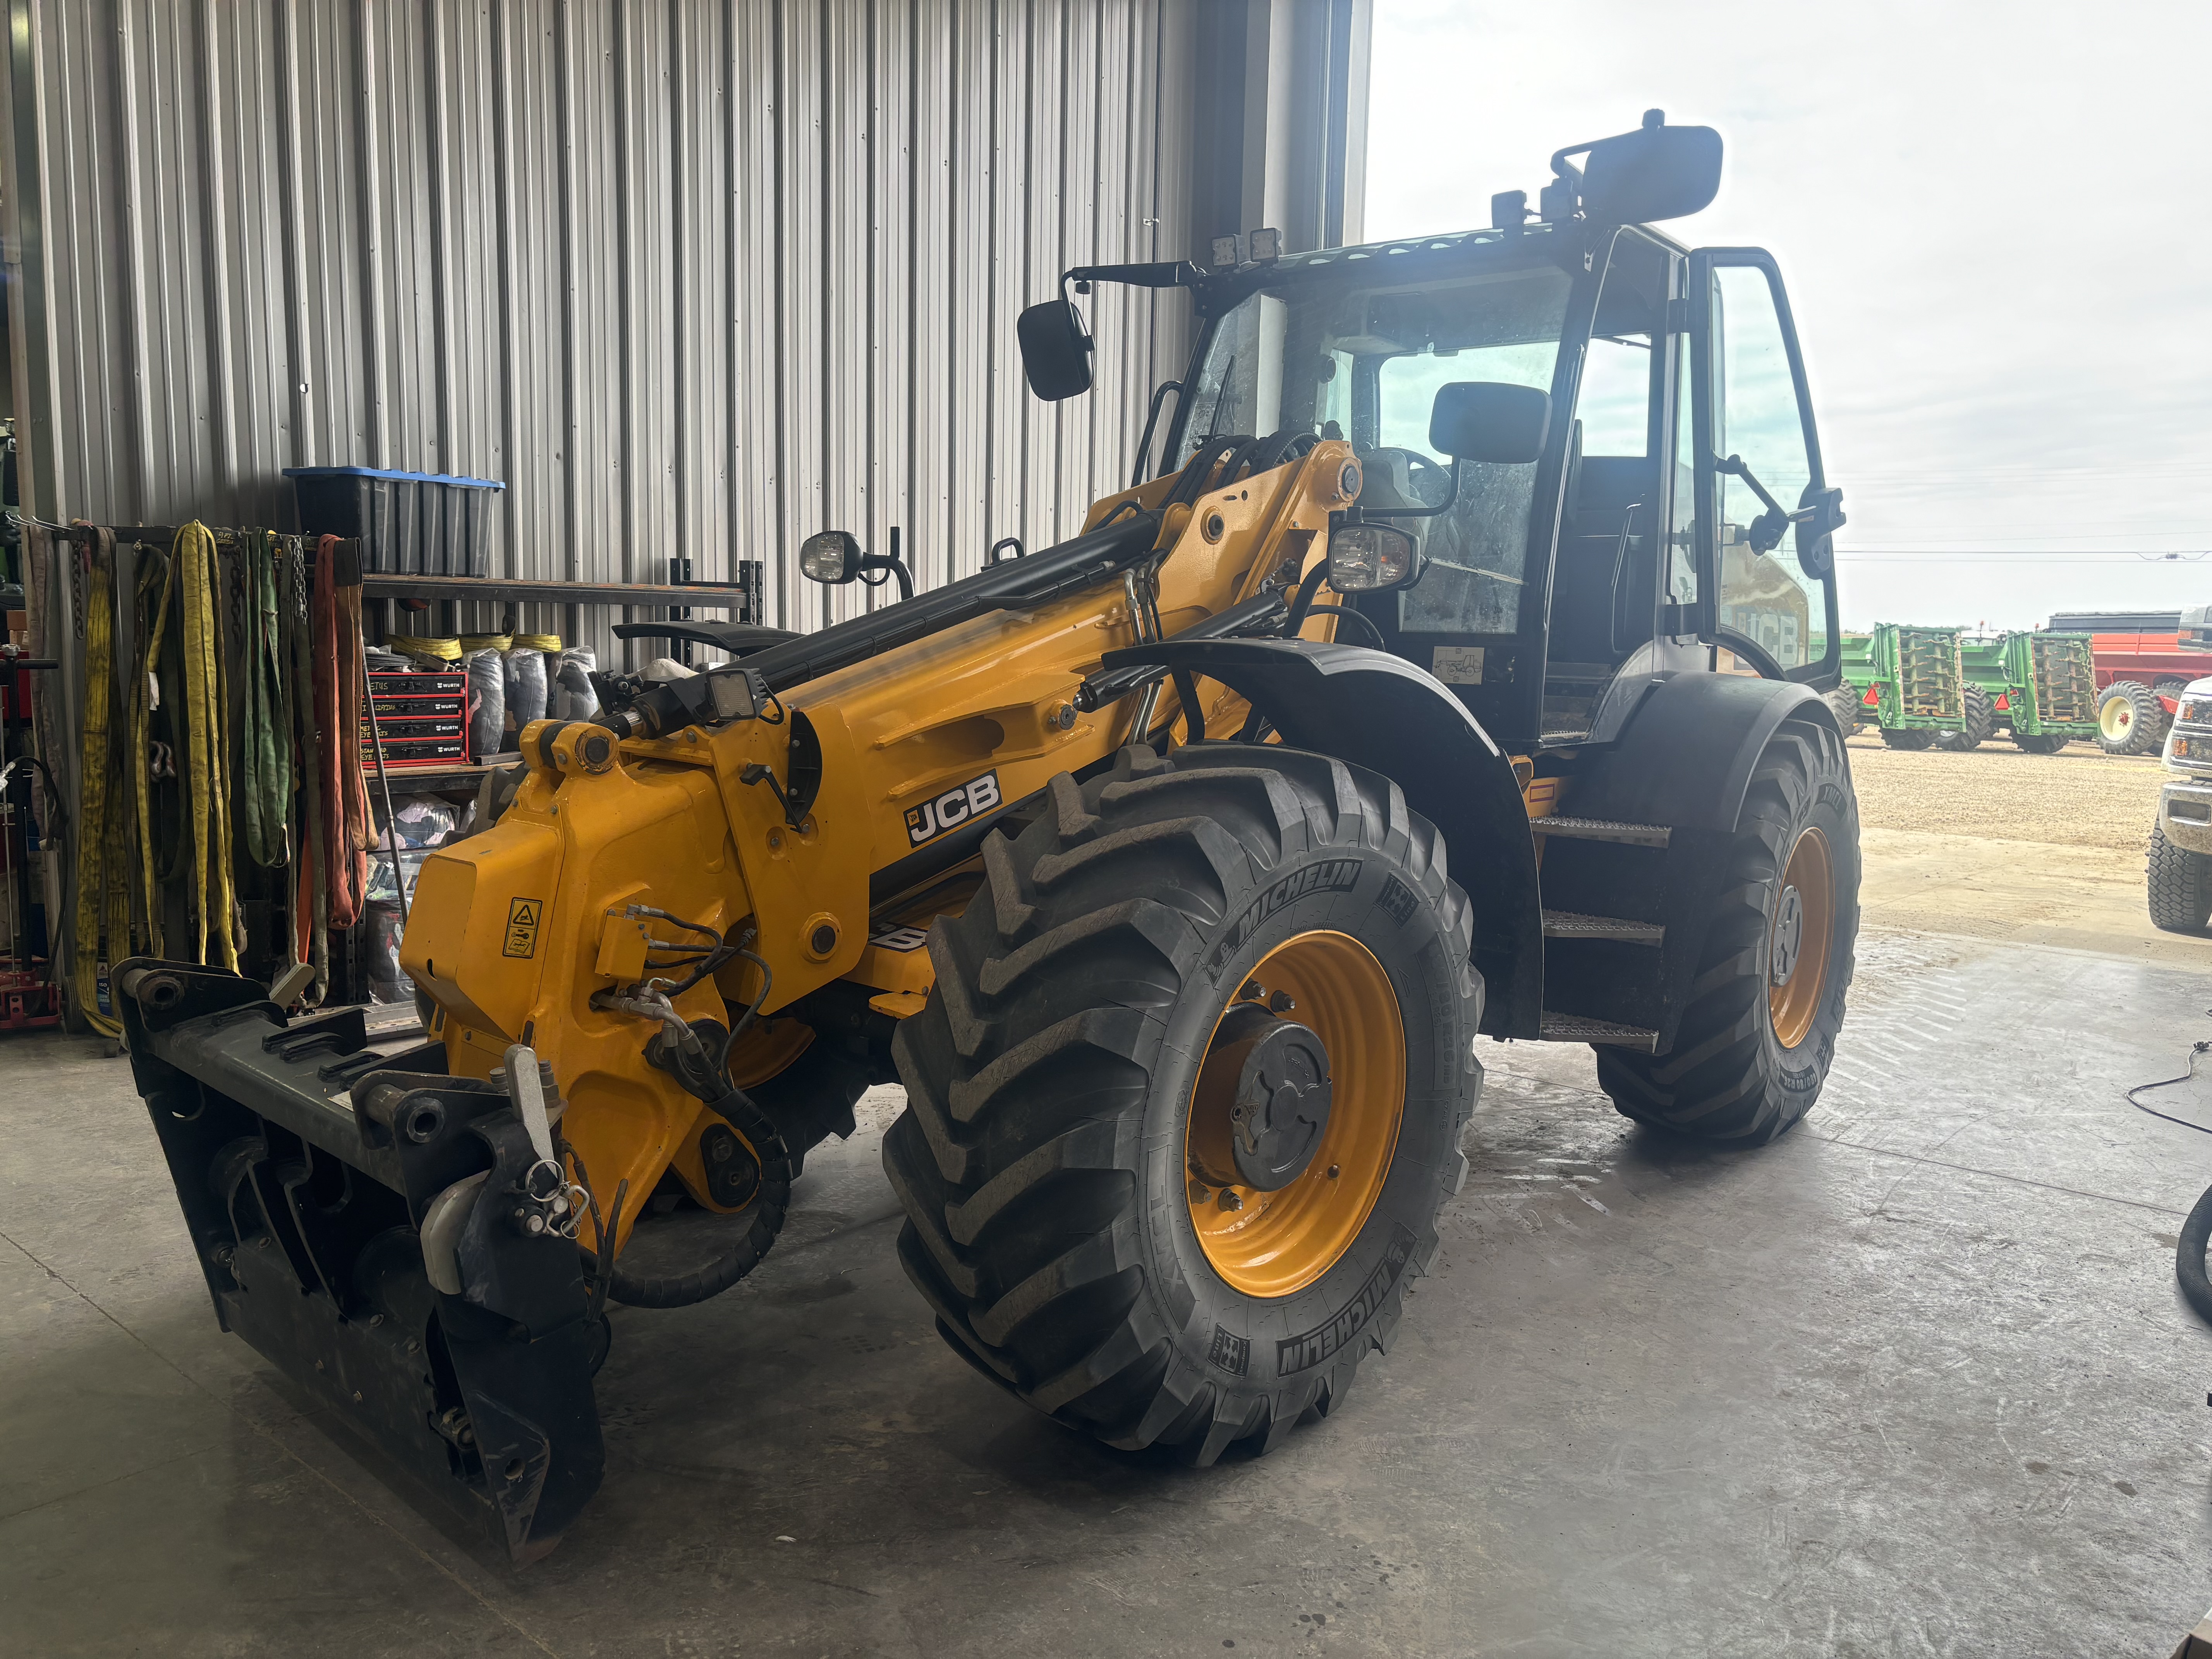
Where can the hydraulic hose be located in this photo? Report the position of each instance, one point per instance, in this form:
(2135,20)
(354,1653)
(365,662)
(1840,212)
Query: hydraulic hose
(2189,1265)
(758,1132)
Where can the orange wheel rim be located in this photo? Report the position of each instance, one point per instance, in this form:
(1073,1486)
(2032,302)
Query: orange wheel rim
(1799,937)
(1274,1242)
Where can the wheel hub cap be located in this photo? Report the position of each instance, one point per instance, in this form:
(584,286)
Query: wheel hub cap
(1276,1074)
(1789,935)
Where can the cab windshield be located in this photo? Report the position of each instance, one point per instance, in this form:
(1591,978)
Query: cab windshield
(1343,355)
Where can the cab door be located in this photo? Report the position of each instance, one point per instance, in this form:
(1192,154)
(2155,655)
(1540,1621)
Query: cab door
(1764,515)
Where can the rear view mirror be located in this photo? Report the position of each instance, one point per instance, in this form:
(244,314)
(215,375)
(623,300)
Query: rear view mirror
(1656,173)
(1819,515)
(1489,421)
(1055,350)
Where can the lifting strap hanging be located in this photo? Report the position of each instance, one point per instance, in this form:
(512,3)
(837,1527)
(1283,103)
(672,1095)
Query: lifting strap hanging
(102,830)
(266,767)
(156,588)
(207,781)
(310,906)
(340,688)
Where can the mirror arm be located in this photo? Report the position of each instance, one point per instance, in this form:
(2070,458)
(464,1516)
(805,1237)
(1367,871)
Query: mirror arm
(1735,468)
(1451,496)
(1177,273)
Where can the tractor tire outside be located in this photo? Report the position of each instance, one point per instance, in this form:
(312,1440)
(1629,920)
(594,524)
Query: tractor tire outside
(1850,713)
(1046,1158)
(2180,885)
(1980,723)
(1907,736)
(2041,743)
(1750,1056)
(2130,720)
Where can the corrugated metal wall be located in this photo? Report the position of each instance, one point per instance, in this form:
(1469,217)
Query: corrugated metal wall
(692,277)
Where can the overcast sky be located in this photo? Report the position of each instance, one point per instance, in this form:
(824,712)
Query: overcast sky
(1996,225)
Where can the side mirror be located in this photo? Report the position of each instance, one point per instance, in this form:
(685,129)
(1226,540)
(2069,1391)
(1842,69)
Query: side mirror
(1822,516)
(1655,172)
(1489,421)
(1055,350)
(832,558)
(1364,558)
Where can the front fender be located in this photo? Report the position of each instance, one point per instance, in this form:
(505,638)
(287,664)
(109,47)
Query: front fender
(1379,711)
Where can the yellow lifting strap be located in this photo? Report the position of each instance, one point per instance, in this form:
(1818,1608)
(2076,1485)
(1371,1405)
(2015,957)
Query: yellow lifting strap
(207,781)
(100,836)
(417,645)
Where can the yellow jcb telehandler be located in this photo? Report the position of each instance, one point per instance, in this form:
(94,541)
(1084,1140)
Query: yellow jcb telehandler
(1128,859)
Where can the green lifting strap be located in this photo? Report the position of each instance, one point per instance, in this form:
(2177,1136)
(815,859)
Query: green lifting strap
(265,769)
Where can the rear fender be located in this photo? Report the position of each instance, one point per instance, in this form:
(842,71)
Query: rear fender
(1381,712)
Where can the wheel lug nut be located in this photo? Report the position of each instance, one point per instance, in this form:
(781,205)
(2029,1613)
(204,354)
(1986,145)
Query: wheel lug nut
(1230,1199)
(1281,1002)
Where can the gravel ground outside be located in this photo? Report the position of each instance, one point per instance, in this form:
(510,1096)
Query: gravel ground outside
(2079,797)
(1998,844)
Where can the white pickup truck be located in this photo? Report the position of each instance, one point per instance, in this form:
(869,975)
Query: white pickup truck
(2181,839)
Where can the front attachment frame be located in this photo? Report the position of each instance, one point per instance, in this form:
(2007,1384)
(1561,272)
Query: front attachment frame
(305,1164)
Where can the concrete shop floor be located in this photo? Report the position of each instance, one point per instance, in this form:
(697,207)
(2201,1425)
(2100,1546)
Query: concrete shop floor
(1915,1380)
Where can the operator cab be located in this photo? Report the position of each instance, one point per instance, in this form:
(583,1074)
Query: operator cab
(1649,534)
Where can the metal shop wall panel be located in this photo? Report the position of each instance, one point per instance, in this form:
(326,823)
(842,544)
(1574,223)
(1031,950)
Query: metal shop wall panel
(695,278)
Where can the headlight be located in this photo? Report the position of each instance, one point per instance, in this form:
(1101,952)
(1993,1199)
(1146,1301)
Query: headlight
(2194,711)
(833,556)
(2198,749)
(1363,557)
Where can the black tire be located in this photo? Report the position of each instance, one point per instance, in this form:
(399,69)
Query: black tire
(1907,736)
(2129,720)
(1041,1159)
(2041,743)
(1850,713)
(2180,883)
(1729,1077)
(1980,723)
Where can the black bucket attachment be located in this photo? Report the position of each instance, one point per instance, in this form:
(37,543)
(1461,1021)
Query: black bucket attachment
(309,1167)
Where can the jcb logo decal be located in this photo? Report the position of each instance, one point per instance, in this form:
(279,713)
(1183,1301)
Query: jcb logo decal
(951,809)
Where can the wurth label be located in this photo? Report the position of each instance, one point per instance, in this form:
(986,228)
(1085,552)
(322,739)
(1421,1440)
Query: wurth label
(955,807)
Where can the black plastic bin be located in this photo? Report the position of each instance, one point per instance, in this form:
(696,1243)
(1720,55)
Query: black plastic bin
(410,524)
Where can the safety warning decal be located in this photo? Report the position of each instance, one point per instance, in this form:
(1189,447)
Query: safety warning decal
(948,811)
(522,918)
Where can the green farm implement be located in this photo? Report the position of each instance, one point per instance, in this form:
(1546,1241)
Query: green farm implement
(1939,686)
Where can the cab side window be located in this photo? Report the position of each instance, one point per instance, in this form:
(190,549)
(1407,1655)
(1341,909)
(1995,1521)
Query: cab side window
(1765,596)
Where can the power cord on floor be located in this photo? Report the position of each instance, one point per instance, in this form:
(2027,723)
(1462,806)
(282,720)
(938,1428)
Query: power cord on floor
(2189,1264)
